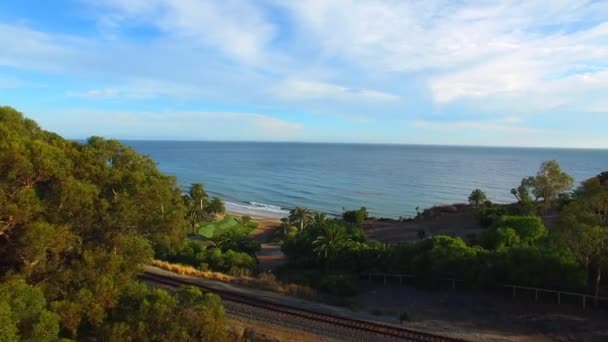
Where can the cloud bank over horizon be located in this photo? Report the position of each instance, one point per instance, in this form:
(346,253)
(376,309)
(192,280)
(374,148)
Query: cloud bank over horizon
(514,73)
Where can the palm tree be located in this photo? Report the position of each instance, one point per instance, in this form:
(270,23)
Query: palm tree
(194,200)
(477,198)
(319,218)
(195,216)
(329,242)
(301,216)
(216,206)
(285,226)
(198,195)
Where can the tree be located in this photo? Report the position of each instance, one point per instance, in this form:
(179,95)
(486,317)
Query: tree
(550,182)
(198,195)
(331,240)
(355,216)
(530,229)
(286,226)
(77,223)
(319,218)
(583,228)
(195,201)
(25,307)
(301,216)
(477,198)
(216,206)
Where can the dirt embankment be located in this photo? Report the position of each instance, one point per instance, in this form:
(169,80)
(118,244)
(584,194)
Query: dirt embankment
(452,220)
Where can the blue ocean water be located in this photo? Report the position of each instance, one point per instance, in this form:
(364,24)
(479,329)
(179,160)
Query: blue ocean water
(390,180)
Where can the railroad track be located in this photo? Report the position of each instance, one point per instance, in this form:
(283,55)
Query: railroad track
(377,328)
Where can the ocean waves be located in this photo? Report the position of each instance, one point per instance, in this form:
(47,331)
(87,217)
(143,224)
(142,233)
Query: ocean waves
(257,209)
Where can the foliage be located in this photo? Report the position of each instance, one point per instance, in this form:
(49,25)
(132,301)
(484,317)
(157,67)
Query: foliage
(357,217)
(216,207)
(228,225)
(300,216)
(25,313)
(77,222)
(202,256)
(265,281)
(511,231)
(489,213)
(322,242)
(550,181)
(196,200)
(330,241)
(477,198)
(188,316)
(583,228)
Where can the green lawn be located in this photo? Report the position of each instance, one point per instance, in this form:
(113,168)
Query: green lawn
(227,224)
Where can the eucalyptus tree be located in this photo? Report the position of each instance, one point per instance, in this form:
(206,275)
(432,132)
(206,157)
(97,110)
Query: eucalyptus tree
(583,228)
(77,223)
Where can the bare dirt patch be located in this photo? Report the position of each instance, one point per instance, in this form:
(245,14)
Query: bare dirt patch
(457,221)
(482,317)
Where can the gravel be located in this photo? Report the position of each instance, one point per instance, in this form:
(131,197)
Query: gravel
(303,324)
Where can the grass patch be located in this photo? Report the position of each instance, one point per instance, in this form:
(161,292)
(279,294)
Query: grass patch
(264,281)
(229,224)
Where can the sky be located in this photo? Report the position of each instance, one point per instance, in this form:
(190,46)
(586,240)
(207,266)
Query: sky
(492,73)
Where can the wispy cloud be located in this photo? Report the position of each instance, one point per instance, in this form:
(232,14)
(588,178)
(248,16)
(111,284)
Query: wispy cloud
(471,50)
(139,90)
(307,90)
(235,27)
(169,125)
(503,125)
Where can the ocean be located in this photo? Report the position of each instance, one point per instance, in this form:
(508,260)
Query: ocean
(390,180)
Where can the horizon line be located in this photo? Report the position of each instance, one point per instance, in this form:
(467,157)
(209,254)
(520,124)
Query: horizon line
(346,143)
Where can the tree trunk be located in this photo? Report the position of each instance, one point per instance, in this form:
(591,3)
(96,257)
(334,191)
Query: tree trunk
(598,279)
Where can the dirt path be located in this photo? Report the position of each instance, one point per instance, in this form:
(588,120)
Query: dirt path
(270,256)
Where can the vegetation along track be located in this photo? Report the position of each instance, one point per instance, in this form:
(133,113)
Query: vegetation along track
(376,328)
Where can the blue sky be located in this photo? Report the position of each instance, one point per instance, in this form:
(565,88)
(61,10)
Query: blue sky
(508,73)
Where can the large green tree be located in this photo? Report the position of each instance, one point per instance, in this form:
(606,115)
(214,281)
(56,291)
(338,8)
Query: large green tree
(550,181)
(77,222)
(583,228)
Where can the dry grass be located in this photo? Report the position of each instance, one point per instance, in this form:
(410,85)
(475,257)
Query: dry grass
(264,281)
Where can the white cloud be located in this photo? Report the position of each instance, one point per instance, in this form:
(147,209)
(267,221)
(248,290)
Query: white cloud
(470,50)
(311,90)
(31,49)
(235,27)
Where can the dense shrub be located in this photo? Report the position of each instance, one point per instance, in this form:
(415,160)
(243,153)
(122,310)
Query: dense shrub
(357,217)
(203,256)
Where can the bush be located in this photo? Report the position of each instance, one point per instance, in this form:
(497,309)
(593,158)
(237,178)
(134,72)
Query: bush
(357,217)
(197,254)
